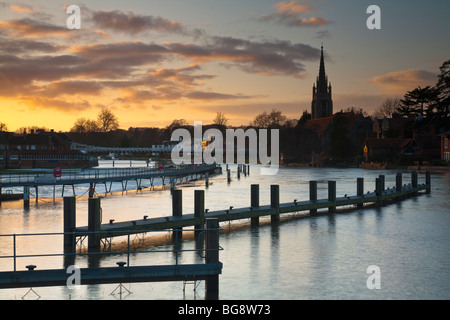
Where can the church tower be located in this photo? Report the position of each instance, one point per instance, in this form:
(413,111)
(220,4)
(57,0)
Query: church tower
(322,104)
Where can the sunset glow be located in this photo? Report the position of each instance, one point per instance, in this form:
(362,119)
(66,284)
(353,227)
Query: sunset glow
(155,61)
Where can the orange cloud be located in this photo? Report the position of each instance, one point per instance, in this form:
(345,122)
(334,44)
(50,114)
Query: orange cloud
(21,9)
(399,82)
(292,6)
(30,28)
(289,14)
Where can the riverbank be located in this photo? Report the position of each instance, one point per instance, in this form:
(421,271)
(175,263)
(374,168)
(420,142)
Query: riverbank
(377,166)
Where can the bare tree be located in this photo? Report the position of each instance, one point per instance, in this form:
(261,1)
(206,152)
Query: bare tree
(220,119)
(79,125)
(107,121)
(387,108)
(3,127)
(274,119)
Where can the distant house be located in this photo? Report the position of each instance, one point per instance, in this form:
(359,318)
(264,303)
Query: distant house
(445,146)
(39,149)
(388,149)
(394,127)
(357,127)
(424,147)
(419,148)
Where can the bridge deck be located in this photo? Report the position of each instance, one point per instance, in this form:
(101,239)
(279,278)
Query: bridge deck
(99,176)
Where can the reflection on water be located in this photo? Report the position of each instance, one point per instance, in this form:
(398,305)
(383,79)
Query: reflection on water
(321,257)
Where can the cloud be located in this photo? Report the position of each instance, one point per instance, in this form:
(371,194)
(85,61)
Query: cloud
(290,14)
(18,46)
(131,23)
(41,65)
(265,58)
(402,81)
(31,28)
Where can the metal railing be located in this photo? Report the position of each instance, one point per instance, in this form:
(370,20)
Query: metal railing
(73,251)
(73,177)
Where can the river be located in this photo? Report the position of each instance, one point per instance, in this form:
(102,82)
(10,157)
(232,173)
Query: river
(299,258)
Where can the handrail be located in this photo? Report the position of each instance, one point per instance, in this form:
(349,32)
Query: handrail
(107,173)
(16,256)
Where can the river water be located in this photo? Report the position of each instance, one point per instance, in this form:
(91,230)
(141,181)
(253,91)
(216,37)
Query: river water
(301,257)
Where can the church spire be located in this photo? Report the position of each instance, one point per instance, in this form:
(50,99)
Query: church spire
(322,66)
(322,104)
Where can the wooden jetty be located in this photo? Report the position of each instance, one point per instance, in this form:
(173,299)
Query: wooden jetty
(96,231)
(208,271)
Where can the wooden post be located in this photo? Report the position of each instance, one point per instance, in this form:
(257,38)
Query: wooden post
(254,202)
(428,182)
(398,182)
(382,183)
(378,191)
(239,173)
(207,179)
(360,190)
(91,190)
(313,194)
(332,196)
(274,201)
(177,209)
(212,256)
(199,210)
(37,193)
(377,186)
(26,196)
(69,221)
(228,175)
(382,187)
(94,222)
(172,184)
(414,179)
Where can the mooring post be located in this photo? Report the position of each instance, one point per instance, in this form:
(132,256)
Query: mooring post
(212,256)
(91,190)
(254,202)
(69,221)
(199,210)
(239,173)
(398,182)
(313,195)
(26,196)
(177,210)
(332,196)
(382,183)
(207,179)
(360,190)
(228,175)
(275,202)
(414,179)
(378,190)
(94,222)
(428,182)
(69,238)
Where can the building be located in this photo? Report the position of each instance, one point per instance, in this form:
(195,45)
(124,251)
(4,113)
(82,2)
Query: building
(40,149)
(388,149)
(322,103)
(445,146)
(352,126)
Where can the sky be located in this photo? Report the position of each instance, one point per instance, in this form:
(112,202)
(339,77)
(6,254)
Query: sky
(155,61)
